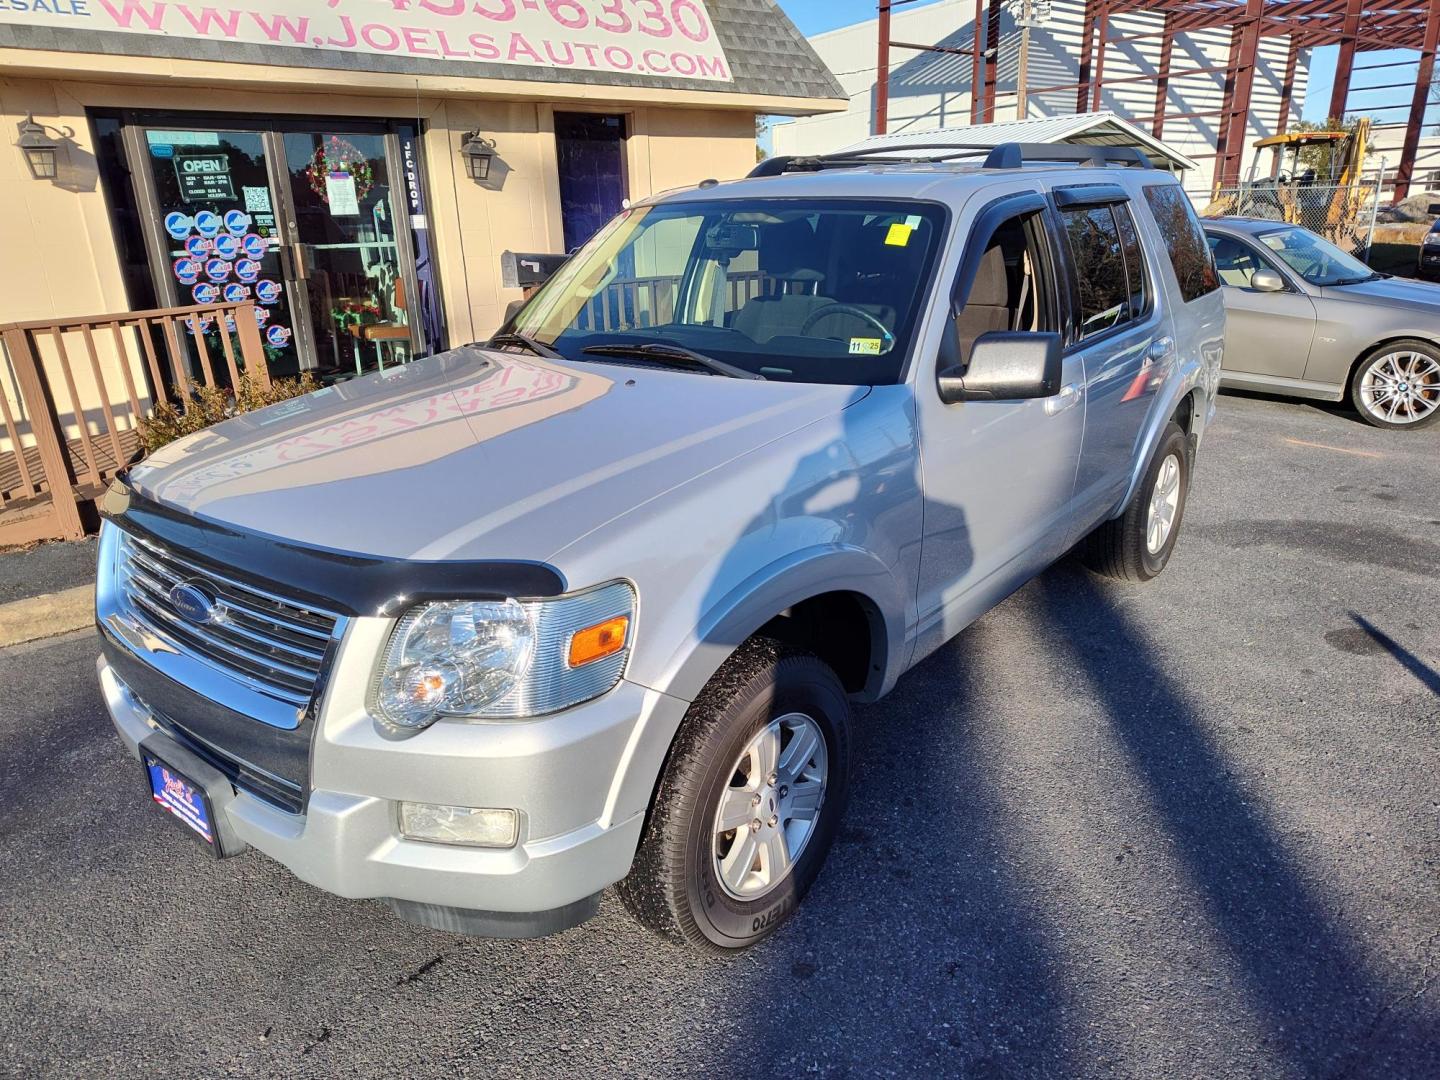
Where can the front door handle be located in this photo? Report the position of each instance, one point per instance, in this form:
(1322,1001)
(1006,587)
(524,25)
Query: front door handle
(1159,350)
(1068,396)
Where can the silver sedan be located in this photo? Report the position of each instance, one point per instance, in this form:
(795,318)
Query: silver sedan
(1305,319)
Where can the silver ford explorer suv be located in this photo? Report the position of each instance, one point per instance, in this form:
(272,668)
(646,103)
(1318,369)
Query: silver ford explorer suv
(589,603)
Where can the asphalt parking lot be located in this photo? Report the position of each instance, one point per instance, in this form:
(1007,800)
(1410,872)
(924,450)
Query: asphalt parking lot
(1179,830)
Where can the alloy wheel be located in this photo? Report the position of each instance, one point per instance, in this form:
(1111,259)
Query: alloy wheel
(770,807)
(1164,503)
(1401,387)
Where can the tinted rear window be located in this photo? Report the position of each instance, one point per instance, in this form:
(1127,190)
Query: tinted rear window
(1107,296)
(1184,240)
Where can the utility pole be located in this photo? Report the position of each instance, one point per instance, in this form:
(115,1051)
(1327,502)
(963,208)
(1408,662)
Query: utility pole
(882,70)
(1020,101)
(1032,13)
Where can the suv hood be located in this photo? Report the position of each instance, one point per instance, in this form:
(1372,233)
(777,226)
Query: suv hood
(474,453)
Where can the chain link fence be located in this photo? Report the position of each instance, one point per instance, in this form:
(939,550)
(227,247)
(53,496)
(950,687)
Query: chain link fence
(1342,213)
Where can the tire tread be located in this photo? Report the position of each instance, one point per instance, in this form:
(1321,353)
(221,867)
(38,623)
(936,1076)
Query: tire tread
(655,889)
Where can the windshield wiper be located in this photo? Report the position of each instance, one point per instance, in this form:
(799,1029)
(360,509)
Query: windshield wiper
(1358,280)
(671,354)
(525,341)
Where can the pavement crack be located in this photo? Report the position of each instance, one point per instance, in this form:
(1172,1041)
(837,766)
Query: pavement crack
(324,1036)
(418,973)
(1428,976)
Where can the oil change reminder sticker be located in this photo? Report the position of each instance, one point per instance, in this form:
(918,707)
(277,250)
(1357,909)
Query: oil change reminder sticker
(865,346)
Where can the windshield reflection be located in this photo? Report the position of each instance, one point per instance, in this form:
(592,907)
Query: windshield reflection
(800,290)
(1316,259)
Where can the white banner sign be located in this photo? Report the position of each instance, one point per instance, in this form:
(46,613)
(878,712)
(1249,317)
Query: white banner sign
(672,38)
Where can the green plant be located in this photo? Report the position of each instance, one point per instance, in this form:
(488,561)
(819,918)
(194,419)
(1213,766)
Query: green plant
(1325,158)
(211,404)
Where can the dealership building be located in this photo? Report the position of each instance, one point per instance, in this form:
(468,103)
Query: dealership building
(357,169)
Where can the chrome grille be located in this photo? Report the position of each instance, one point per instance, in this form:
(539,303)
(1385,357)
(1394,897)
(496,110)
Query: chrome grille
(273,644)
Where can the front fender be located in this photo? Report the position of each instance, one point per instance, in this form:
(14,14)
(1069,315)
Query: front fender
(737,615)
(756,599)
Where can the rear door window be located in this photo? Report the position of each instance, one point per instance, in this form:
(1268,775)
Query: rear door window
(1184,240)
(1134,260)
(1097,250)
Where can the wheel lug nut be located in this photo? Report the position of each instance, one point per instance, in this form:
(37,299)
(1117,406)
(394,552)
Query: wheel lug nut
(774,820)
(771,779)
(754,800)
(755,825)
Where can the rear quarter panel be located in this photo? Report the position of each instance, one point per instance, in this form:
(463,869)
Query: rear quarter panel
(1198,328)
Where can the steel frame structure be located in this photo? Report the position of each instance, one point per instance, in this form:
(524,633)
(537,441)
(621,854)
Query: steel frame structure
(1355,25)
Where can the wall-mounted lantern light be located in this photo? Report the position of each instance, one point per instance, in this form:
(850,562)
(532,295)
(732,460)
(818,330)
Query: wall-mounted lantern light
(39,150)
(478,153)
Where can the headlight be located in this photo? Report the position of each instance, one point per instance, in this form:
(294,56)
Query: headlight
(503,660)
(1432,239)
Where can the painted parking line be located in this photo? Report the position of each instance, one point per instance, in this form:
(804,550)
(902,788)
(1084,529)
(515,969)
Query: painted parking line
(1337,449)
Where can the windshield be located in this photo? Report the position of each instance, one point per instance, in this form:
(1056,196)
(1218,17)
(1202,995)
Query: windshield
(803,290)
(1315,259)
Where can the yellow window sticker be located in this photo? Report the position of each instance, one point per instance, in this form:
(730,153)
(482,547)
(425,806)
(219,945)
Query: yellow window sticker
(899,234)
(865,346)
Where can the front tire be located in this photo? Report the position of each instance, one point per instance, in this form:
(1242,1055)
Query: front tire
(748,804)
(1398,385)
(1136,546)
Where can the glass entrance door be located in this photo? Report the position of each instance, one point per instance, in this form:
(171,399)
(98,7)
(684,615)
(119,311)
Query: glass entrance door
(302,221)
(347,254)
(219,234)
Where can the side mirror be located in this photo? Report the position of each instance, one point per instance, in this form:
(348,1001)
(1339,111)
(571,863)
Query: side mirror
(1006,366)
(1267,281)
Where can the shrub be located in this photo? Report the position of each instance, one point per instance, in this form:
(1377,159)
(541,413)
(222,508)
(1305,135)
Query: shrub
(211,404)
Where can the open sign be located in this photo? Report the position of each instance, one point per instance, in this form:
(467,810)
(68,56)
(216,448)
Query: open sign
(204,177)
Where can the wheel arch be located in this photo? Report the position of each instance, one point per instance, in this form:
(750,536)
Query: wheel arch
(1393,338)
(845,583)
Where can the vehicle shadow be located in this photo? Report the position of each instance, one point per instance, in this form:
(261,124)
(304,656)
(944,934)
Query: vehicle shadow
(1341,410)
(917,950)
(1290,947)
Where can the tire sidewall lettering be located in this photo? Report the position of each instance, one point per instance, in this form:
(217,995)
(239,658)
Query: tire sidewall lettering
(722,918)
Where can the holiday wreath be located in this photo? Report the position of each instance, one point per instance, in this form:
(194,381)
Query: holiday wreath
(339,157)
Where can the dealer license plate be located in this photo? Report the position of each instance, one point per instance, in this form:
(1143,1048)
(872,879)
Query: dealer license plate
(180,797)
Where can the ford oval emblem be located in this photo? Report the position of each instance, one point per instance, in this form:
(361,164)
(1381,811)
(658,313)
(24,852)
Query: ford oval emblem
(194,603)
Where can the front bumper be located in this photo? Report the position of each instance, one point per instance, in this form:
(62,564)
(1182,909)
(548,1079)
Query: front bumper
(581,809)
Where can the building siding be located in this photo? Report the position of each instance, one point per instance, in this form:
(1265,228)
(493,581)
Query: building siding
(932,90)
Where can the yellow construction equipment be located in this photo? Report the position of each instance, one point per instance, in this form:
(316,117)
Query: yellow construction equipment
(1327,203)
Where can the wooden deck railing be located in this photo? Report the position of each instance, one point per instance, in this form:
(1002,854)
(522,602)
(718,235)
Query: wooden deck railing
(46,475)
(632,303)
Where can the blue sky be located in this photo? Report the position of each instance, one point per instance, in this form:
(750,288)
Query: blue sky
(817,16)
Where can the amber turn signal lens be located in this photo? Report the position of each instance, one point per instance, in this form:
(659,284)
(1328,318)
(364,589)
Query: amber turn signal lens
(598,641)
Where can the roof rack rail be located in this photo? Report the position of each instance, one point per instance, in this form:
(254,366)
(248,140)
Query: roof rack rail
(1009,155)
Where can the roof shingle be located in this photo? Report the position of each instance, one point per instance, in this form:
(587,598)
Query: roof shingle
(767,56)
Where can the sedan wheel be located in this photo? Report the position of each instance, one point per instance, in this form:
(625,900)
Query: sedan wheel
(1399,386)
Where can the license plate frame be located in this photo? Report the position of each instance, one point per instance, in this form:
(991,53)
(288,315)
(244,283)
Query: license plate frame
(190,792)
(181,798)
